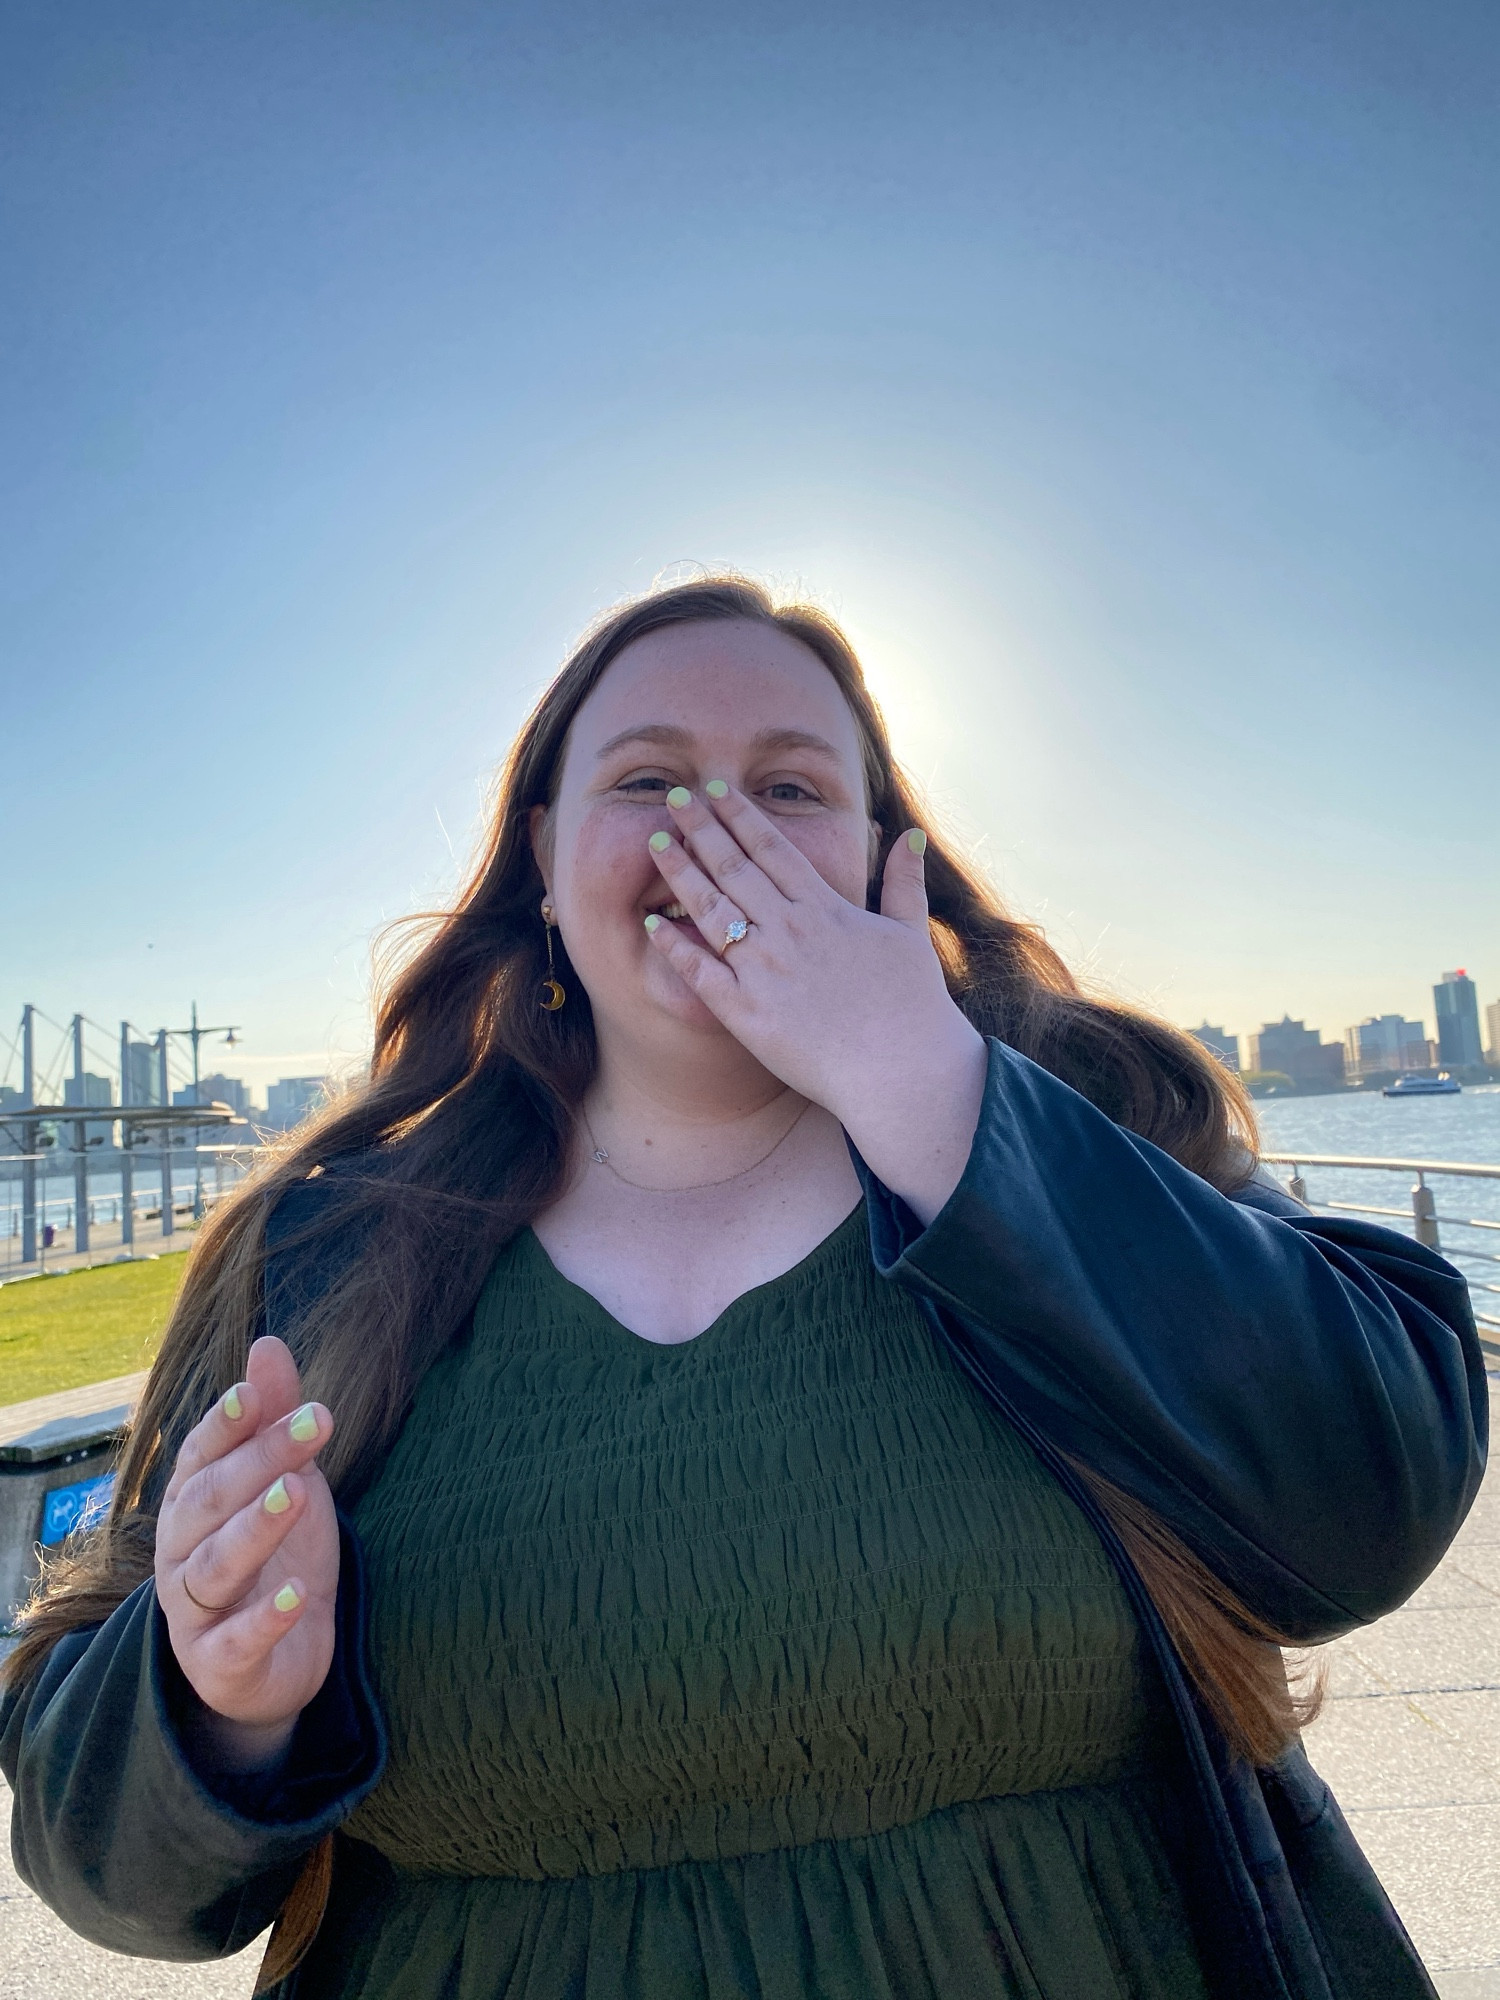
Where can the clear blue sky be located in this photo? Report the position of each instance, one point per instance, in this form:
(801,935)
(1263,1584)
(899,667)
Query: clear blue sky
(1124,376)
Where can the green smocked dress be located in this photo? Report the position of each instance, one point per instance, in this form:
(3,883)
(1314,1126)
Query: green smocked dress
(771,1664)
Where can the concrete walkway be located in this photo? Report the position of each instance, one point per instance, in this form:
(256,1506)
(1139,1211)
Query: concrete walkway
(1409,1740)
(106,1246)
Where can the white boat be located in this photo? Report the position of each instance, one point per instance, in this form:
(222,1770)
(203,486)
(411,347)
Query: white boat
(1416,1085)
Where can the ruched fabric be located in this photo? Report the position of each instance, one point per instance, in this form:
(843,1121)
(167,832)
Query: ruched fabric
(771,1664)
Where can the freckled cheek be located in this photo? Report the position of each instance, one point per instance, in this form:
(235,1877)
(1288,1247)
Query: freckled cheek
(840,857)
(607,865)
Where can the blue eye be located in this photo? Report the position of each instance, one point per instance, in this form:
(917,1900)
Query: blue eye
(643,785)
(788,793)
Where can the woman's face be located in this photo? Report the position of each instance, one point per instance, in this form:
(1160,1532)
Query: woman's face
(738,701)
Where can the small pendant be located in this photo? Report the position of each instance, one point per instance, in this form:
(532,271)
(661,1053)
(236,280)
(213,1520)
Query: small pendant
(601,1156)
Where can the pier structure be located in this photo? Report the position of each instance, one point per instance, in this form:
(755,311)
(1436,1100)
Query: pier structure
(43,1138)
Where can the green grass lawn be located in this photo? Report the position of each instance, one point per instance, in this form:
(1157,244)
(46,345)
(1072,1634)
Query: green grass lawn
(85,1326)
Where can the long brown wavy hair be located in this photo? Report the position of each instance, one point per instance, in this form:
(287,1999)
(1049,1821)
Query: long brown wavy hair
(460,1134)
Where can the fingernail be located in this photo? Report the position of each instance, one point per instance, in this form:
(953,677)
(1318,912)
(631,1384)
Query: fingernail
(305,1424)
(717,789)
(916,840)
(232,1407)
(278,1499)
(678,797)
(653,924)
(287,1598)
(660,842)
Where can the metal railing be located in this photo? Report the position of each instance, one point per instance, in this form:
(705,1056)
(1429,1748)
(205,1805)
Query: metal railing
(123,1207)
(1426,1222)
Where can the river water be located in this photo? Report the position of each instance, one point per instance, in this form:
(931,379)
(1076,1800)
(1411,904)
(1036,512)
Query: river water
(1462,1129)
(1407,1128)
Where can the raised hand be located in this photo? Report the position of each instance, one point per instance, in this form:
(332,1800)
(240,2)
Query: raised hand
(848,1007)
(247,1560)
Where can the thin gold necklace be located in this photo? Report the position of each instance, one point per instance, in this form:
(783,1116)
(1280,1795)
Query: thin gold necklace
(601,1158)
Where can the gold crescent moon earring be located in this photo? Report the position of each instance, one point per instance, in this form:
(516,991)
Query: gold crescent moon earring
(553,993)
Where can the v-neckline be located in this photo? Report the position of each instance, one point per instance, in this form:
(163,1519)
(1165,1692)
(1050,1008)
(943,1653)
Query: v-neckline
(596,1309)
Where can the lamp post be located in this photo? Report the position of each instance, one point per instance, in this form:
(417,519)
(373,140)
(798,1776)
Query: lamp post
(194,1034)
(28,1166)
(80,1145)
(127,1161)
(164,1093)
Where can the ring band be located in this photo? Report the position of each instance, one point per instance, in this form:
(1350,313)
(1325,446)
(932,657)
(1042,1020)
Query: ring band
(213,1610)
(738,929)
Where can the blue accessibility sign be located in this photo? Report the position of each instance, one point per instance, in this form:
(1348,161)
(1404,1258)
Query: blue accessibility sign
(68,1507)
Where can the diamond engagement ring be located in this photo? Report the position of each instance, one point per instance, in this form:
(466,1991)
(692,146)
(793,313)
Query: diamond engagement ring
(738,929)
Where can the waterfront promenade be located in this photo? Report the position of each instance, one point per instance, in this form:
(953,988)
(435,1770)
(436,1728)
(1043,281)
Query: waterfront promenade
(1409,1739)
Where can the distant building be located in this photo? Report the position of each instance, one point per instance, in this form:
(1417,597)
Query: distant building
(1492,1025)
(1383,1043)
(216,1089)
(291,1098)
(142,1074)
(89,1089)
(1225,1047)
(1457,1003)
(1298,1052)
(12,1137)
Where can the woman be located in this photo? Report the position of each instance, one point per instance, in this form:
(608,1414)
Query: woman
(780,1439)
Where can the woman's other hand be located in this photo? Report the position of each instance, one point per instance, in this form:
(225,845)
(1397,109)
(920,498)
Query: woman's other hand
(247,1561)
(848,1007)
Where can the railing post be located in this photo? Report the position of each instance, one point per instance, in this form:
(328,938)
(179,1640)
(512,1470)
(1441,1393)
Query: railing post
(1424,1212)
(168,1220)
(1297,1187)
(127,1189)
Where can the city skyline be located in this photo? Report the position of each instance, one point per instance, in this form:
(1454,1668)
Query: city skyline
(1215,1034)
(1376,1045)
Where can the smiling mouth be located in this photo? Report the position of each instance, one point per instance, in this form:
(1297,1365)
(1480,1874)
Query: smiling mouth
(673,912)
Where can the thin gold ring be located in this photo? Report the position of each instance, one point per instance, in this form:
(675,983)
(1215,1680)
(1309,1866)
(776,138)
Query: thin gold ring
(213,1610)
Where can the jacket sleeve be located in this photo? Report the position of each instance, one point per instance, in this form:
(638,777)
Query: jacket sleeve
(1301,1399)
(120,1834)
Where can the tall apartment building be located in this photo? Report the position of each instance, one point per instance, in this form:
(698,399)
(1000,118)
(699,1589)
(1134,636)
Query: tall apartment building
(1382,1043)
(142,1074)
(1492,1025)
(1225,1047)
(290,1099)
(1298,1052)
(1457,1001)
(90,1089)
(216,1089)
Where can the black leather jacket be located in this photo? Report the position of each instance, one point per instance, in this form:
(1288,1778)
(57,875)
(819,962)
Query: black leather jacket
(1301,1399)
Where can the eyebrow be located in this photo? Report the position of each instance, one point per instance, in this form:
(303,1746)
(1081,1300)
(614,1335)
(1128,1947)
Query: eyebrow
(670,736)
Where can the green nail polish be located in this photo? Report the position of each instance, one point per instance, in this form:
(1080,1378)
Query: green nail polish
(659,842)
(653,924)
(678,797)
(717,789)
(232,1407)
(916,840)
(278,1499)
(286,1599)
(305,1424)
